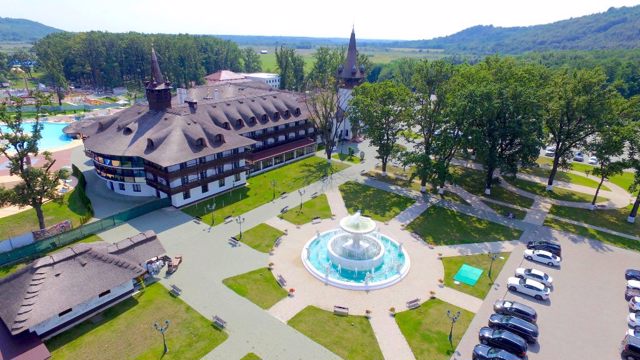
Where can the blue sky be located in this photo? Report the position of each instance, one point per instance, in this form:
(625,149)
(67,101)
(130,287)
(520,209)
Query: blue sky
(373,19)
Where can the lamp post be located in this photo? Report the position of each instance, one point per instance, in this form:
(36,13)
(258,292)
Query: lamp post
(453,317)
(210,209)
(493,258)
(301,192)
(163,329)
(273,185)
(240,220)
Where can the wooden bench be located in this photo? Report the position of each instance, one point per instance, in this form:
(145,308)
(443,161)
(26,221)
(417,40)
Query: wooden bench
(284,209)
(341,310)
(314,195)
(175,291)
(218,322)
(316,220)
(277,242)
(233,241)
(228,219)
(283,195)
(281,281)
(413,304)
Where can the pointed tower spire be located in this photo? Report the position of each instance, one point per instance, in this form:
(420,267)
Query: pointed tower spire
(158,90)
(156,74)
(350,72)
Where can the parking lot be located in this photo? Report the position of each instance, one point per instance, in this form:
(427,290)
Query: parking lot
(586,315)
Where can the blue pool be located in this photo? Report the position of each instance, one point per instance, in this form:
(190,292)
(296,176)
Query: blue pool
(52,135)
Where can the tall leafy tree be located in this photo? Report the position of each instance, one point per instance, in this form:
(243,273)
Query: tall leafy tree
(18,143)
(382,110)
(325,67)
(251,60)
(608,147)
(328,112)
(578,106)
(632,114)
(291,68)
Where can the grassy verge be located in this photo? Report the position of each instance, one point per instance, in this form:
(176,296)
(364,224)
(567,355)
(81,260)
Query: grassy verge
(260,188)
(557,193)
(473,181)
(505,210)
(623,180)
(378,204)
(251,356)
(350,337)
(450,196)
(442,226)
(618,241)
(345,157)
(260,237)
(564,176)
(613,219)
(259,286)
(481,261)
(427,329)
(316,207)
(127,329)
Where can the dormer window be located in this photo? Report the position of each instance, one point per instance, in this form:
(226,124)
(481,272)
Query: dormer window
(286,114)
(264,118)
(219,138)
(276,115)
(252,119)
(226,126)
(200,142)
(127,131)
(239,123)
(150,144)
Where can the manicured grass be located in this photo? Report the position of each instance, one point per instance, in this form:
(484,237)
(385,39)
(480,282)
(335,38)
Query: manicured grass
(259,286)
(481,261)
(261,237)
(593,234)
(564,176)
(450,196)
(427,329)
(395,179)
(251,356)
(260,190)
(126,330)
(350,337)
(505,210)
(473,181)
(613,219)
(378,204)
(7,270)
(623,180)
(345,157)
(442,226)
(316,207)
(557,193)
(71,208)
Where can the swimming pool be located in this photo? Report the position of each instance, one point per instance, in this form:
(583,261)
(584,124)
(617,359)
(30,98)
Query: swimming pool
(52,135)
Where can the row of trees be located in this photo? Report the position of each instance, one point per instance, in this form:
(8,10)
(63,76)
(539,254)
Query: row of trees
(501,110)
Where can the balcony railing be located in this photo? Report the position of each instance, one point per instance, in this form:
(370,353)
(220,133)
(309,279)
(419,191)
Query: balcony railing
(196,168)
(195,183)
(276,133)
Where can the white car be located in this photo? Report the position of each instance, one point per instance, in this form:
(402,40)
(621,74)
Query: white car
(535,274)
(593,160)
(528,287)
(634,319)
(550,151)
(579,156)
(634,303)
(543,257)
(633,332)
(633,284)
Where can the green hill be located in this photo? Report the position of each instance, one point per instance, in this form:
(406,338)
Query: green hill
(22,30)
(617,28)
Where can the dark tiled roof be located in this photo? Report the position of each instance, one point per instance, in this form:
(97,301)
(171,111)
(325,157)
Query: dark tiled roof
(69,277)
(350,69)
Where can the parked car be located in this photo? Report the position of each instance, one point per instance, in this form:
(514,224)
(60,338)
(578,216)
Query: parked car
(524,329)
(514,308)
(634,320)
(550,151)
(593,160)
(542,256)
(633,284)
(632,274)
(534,274)
(529,287)
(634,303)
(503,339)
(629,293)
(578,156)
(633,332)
(484,352)
(630,348)
(549,246)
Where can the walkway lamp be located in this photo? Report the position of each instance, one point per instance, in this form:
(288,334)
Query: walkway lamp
(493,258)
(273,185)
(301,192)
(240,220)
(163,329)
(453,317)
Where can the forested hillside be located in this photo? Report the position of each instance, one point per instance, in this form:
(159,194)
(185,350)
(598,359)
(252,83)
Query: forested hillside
(23,30)
(617,28)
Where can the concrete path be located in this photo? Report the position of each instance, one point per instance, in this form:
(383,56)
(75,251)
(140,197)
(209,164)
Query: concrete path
(473,200)
(538,211)
(334,198)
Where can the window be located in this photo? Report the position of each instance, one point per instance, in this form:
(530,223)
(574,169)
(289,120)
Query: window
(184,180)
(237,178)
(276,115)
(121,186)
(104,293)
(64,313)
(186,195)
(136,188)
(203,174)
(236,164)
(205,188)
(221,182)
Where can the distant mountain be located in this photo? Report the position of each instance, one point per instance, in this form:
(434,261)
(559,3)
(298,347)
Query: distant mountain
(617,28)
(299,42)
(23,30)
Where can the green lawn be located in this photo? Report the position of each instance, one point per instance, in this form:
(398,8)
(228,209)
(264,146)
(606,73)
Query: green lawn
(378,204)
(481,261)
(345,157)
(593,234)
(318,206)
(127,329)
(505,210)
(427,329)
(259,286)
(261,237)
(613,219)
(473,181)
(544,172)
(557,193)
(251,356)
(71,208)
(260,190)
(350,337)
(450,196)
(623,180)
(442,226)
(395,179)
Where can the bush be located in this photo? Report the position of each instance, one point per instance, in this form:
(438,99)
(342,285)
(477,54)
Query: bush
(81,189)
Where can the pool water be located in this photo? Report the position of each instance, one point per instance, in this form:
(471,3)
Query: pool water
(394,261)
(52,135)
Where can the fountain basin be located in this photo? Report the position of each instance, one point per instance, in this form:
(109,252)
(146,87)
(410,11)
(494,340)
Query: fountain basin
(361,253)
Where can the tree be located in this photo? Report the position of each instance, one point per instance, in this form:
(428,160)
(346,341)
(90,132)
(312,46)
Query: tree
(291,68)
(325,67)
(632,114)
(327,110)
(608,147)
(577,108)
(382,110)
(38,184)
(251,60)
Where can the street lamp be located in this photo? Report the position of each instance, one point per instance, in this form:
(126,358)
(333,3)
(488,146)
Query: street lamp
(163,329)
(240,220)
(453,317)
(493,258)
(273,185)
(301,192)
(210,209)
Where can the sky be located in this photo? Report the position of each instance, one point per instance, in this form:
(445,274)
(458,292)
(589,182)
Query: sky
(373,19)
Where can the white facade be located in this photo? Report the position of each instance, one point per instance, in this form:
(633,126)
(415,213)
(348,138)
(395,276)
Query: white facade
(129,189)
(270,79)
(215,187)
(344,131)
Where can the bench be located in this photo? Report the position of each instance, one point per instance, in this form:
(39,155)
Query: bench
(283,195)
(341,310)
(175,291)
(233,241)
(284,209)
(218,322)
(413,304)
(281,281)
(228,219)
(314,195)
(277,242)
(316,220)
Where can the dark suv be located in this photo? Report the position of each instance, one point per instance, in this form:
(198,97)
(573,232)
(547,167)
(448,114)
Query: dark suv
(551,247)
(503,339)
(484,352)
(632,274)
(630,348)
(524,312)
(525,329)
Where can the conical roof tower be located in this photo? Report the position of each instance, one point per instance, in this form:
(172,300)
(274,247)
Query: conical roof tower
(350,72)
(158,91)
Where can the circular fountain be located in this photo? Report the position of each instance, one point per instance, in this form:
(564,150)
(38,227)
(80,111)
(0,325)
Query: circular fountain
(356,256)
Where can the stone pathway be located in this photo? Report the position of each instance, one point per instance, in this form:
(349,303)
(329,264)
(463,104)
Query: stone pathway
(473,200)
(538,211)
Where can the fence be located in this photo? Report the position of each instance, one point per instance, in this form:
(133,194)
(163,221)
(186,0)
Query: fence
(41,247)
